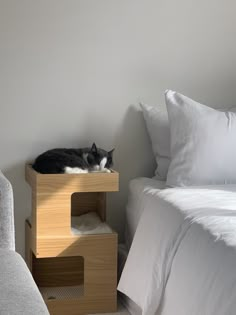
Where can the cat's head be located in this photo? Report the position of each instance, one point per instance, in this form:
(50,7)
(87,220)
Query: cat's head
(99,158)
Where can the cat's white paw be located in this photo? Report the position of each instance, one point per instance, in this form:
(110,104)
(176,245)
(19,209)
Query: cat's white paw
(107,170)
(104,170)
(96,168)
(75,170)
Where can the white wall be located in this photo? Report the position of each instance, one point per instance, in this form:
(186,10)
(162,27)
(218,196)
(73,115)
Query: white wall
(70,71)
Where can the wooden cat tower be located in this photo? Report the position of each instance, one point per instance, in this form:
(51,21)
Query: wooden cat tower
(76,274)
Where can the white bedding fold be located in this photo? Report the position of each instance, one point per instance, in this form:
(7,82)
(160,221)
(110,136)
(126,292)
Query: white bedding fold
(167,217)
(202,280)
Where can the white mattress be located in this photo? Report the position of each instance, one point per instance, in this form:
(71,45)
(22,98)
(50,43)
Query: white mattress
(169,235)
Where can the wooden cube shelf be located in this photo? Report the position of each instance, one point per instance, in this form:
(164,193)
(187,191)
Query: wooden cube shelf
(77,274)
(55,197)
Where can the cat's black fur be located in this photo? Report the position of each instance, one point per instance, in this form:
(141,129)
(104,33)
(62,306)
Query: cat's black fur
(54,161)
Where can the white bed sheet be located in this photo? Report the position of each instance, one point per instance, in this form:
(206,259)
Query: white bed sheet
(130,305)
(166,218)
(139,190)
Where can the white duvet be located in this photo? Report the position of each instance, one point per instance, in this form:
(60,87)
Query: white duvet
(188,237)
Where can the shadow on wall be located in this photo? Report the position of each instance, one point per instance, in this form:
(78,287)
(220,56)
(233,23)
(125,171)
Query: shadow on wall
(133,158)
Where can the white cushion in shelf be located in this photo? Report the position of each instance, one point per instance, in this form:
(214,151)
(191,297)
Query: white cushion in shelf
(89,223)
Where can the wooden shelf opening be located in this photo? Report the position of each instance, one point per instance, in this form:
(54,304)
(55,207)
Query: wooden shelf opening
(59,278)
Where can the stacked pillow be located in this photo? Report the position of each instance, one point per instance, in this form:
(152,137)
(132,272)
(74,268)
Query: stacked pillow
(193,143)
(159,132)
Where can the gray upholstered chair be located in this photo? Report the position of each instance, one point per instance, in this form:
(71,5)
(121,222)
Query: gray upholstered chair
(19,294)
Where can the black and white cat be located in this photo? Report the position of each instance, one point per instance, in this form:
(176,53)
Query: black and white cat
(74,161)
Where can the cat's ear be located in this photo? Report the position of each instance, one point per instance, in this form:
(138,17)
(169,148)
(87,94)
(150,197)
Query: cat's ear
(111,152)
(94,148)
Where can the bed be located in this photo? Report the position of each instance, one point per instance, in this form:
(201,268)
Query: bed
(139,191)
(183,240)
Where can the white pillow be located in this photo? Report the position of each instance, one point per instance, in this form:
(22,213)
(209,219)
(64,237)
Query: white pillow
(159,132)
(203,143)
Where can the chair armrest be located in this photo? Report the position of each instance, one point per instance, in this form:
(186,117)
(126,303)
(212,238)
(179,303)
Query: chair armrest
(7,231)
